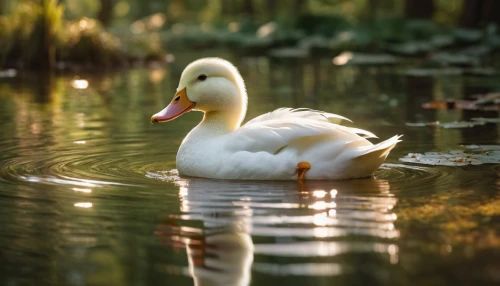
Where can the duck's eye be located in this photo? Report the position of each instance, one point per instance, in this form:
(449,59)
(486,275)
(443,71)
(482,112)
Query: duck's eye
(177,98)
(202,77)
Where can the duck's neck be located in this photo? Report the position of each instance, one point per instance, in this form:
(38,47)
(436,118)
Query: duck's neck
(217,123)
(224,121)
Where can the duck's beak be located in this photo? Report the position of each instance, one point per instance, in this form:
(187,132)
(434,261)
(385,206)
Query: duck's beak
(179,105)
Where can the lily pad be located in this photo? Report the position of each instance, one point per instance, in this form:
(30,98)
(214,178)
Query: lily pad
(486,120)
(315,41)
(468,35)
(409,48)
(363,59)
(427,72)
(453,158)
(481,71)
(460,124)
(483,148)
(488,101)
(8,73)
(476,50)
(440,41)
(447,125)
(294,53)
(455,59)
(423,124)
(412,47)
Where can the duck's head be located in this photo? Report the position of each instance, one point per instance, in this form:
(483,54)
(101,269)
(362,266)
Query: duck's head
(211,85)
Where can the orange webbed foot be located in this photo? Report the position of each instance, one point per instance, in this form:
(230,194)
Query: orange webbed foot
(302,168)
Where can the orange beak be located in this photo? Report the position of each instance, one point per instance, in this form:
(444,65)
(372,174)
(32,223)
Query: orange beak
(177,107)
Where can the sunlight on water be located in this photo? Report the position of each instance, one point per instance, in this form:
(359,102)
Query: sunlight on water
(80,84)
(85,205)
(319,194)
(82,190)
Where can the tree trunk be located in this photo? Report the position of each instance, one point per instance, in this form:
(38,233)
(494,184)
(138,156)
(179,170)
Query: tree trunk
(248,8)
(372,9)
(479,12)
(271,9)
(419,9)
(227,7)
(300,7)
(106,12)
(45,57)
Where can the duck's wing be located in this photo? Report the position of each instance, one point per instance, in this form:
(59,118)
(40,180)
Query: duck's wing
(299,113)
(272,133)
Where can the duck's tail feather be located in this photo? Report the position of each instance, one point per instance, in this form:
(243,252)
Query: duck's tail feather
(369,160)
(381,149)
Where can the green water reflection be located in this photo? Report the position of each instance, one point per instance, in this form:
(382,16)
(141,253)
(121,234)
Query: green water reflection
(87,196)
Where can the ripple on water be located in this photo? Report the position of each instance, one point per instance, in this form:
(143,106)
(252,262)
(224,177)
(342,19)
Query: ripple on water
(93,166)
(418,178)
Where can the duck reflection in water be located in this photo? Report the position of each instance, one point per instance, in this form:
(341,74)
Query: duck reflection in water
(311,216)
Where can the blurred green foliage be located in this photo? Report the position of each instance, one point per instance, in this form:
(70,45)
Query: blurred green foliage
(85,41)
(30,32)
(37,33)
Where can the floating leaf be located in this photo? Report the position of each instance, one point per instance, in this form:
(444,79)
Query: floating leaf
(455,59)
(440,41)
(460,124)
(363,59)
(481,71)
(447,125)
(9,73)
(450,104)
(452,158)
(488,101)
(424,72)
(412,47)
(443,159)
(423,124)
(484,148)
(486,120)
(289,53)
(315,41)
(476,50)
(468,35)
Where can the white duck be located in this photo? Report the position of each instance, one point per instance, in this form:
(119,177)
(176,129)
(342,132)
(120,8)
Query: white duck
(285,144)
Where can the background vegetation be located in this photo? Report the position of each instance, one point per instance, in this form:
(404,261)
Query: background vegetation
(49,34)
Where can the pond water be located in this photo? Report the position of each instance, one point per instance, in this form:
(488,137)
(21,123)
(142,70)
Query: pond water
(89,193)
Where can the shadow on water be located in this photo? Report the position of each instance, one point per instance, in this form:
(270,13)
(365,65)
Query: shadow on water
(84,200)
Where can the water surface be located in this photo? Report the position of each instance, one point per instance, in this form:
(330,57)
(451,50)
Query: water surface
(89,194)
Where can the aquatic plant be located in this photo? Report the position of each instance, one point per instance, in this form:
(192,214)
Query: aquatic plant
(30,33)
(148,47)
(35,35)
(85,41)
(473,156)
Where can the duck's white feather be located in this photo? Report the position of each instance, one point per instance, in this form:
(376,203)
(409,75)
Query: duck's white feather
(271,148)
(298,113)
(275,130)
